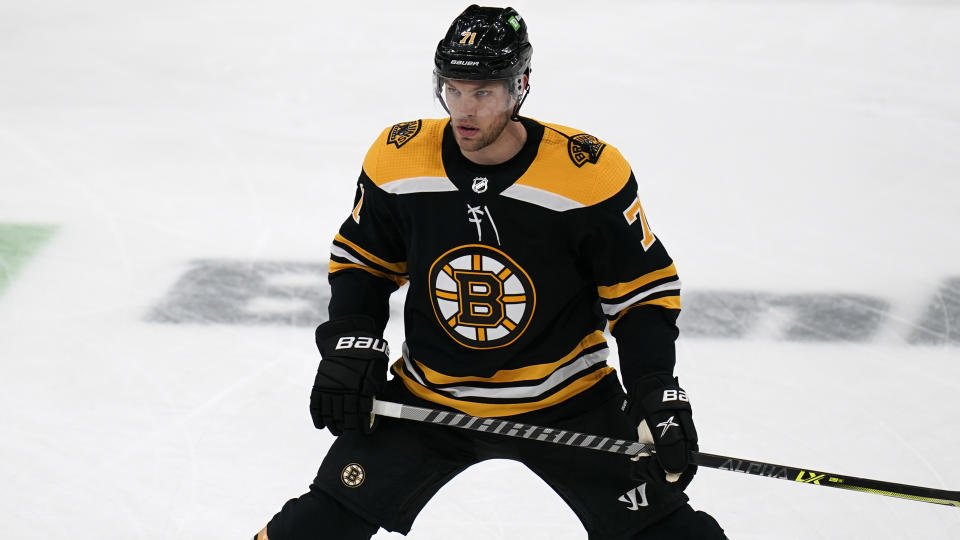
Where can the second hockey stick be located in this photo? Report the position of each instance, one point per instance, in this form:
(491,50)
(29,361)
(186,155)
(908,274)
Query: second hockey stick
(634,448)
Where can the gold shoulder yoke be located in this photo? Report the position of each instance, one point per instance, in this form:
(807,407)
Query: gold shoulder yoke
(572,170)
(406,150)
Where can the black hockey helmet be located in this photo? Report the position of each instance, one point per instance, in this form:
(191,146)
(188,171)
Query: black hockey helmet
(485,43)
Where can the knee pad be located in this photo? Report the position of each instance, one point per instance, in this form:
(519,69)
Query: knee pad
(684,524)
(318,516)
(710,526)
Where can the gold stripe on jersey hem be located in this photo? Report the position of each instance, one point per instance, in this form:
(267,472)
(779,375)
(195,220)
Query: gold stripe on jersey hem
(339,267)
(487,410)
(528,373)
(611,292)
(398,267)
(519,391)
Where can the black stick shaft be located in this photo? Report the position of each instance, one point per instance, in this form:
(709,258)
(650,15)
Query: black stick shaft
(634,448)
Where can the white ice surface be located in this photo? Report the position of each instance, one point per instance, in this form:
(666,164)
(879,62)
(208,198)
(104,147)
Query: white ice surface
(783,147)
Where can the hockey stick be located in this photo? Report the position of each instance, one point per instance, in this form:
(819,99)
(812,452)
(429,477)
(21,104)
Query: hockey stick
(634,448)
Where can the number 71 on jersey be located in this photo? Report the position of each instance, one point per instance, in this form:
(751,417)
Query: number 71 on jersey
(635,212)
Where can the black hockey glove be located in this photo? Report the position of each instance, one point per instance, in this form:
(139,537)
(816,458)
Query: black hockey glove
(662,412)
(352,371)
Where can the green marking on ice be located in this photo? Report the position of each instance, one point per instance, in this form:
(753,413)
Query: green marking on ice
(18,243)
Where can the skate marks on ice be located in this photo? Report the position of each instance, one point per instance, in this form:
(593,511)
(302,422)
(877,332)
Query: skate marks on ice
(296,293)
(791,317)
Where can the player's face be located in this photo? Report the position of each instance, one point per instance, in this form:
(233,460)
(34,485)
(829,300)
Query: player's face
(479,111)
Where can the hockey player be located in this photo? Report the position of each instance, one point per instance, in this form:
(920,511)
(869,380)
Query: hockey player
(520,242)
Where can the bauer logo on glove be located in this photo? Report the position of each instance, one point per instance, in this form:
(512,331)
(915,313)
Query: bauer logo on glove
(363,342)
(353,370)
(663,415)
(673,395)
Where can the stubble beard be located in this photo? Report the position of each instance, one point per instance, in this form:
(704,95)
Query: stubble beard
(487,139)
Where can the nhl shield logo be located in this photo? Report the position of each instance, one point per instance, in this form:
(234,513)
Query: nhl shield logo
(585,148)
(401,133)
(482,298)
(480,184)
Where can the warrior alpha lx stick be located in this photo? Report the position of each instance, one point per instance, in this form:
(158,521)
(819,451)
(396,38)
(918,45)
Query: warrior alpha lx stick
(634,448)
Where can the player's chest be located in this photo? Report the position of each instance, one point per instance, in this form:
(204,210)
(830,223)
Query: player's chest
(487,264)
(439,223)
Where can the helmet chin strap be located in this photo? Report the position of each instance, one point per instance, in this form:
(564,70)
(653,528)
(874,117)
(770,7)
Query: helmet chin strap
(443,103)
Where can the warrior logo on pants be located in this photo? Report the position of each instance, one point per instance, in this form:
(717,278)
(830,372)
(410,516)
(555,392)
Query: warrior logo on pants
(635,498)
(481,297)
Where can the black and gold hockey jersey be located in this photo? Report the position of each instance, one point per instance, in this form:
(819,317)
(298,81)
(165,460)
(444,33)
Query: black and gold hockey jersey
(513,269)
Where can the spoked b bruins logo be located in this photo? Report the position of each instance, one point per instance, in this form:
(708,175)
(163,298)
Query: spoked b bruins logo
(481,297)
(353,475)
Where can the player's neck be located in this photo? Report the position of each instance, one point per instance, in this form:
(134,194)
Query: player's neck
(507,145)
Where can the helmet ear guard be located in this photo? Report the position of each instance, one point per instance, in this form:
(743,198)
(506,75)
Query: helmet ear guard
(521,85)
(485,43)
